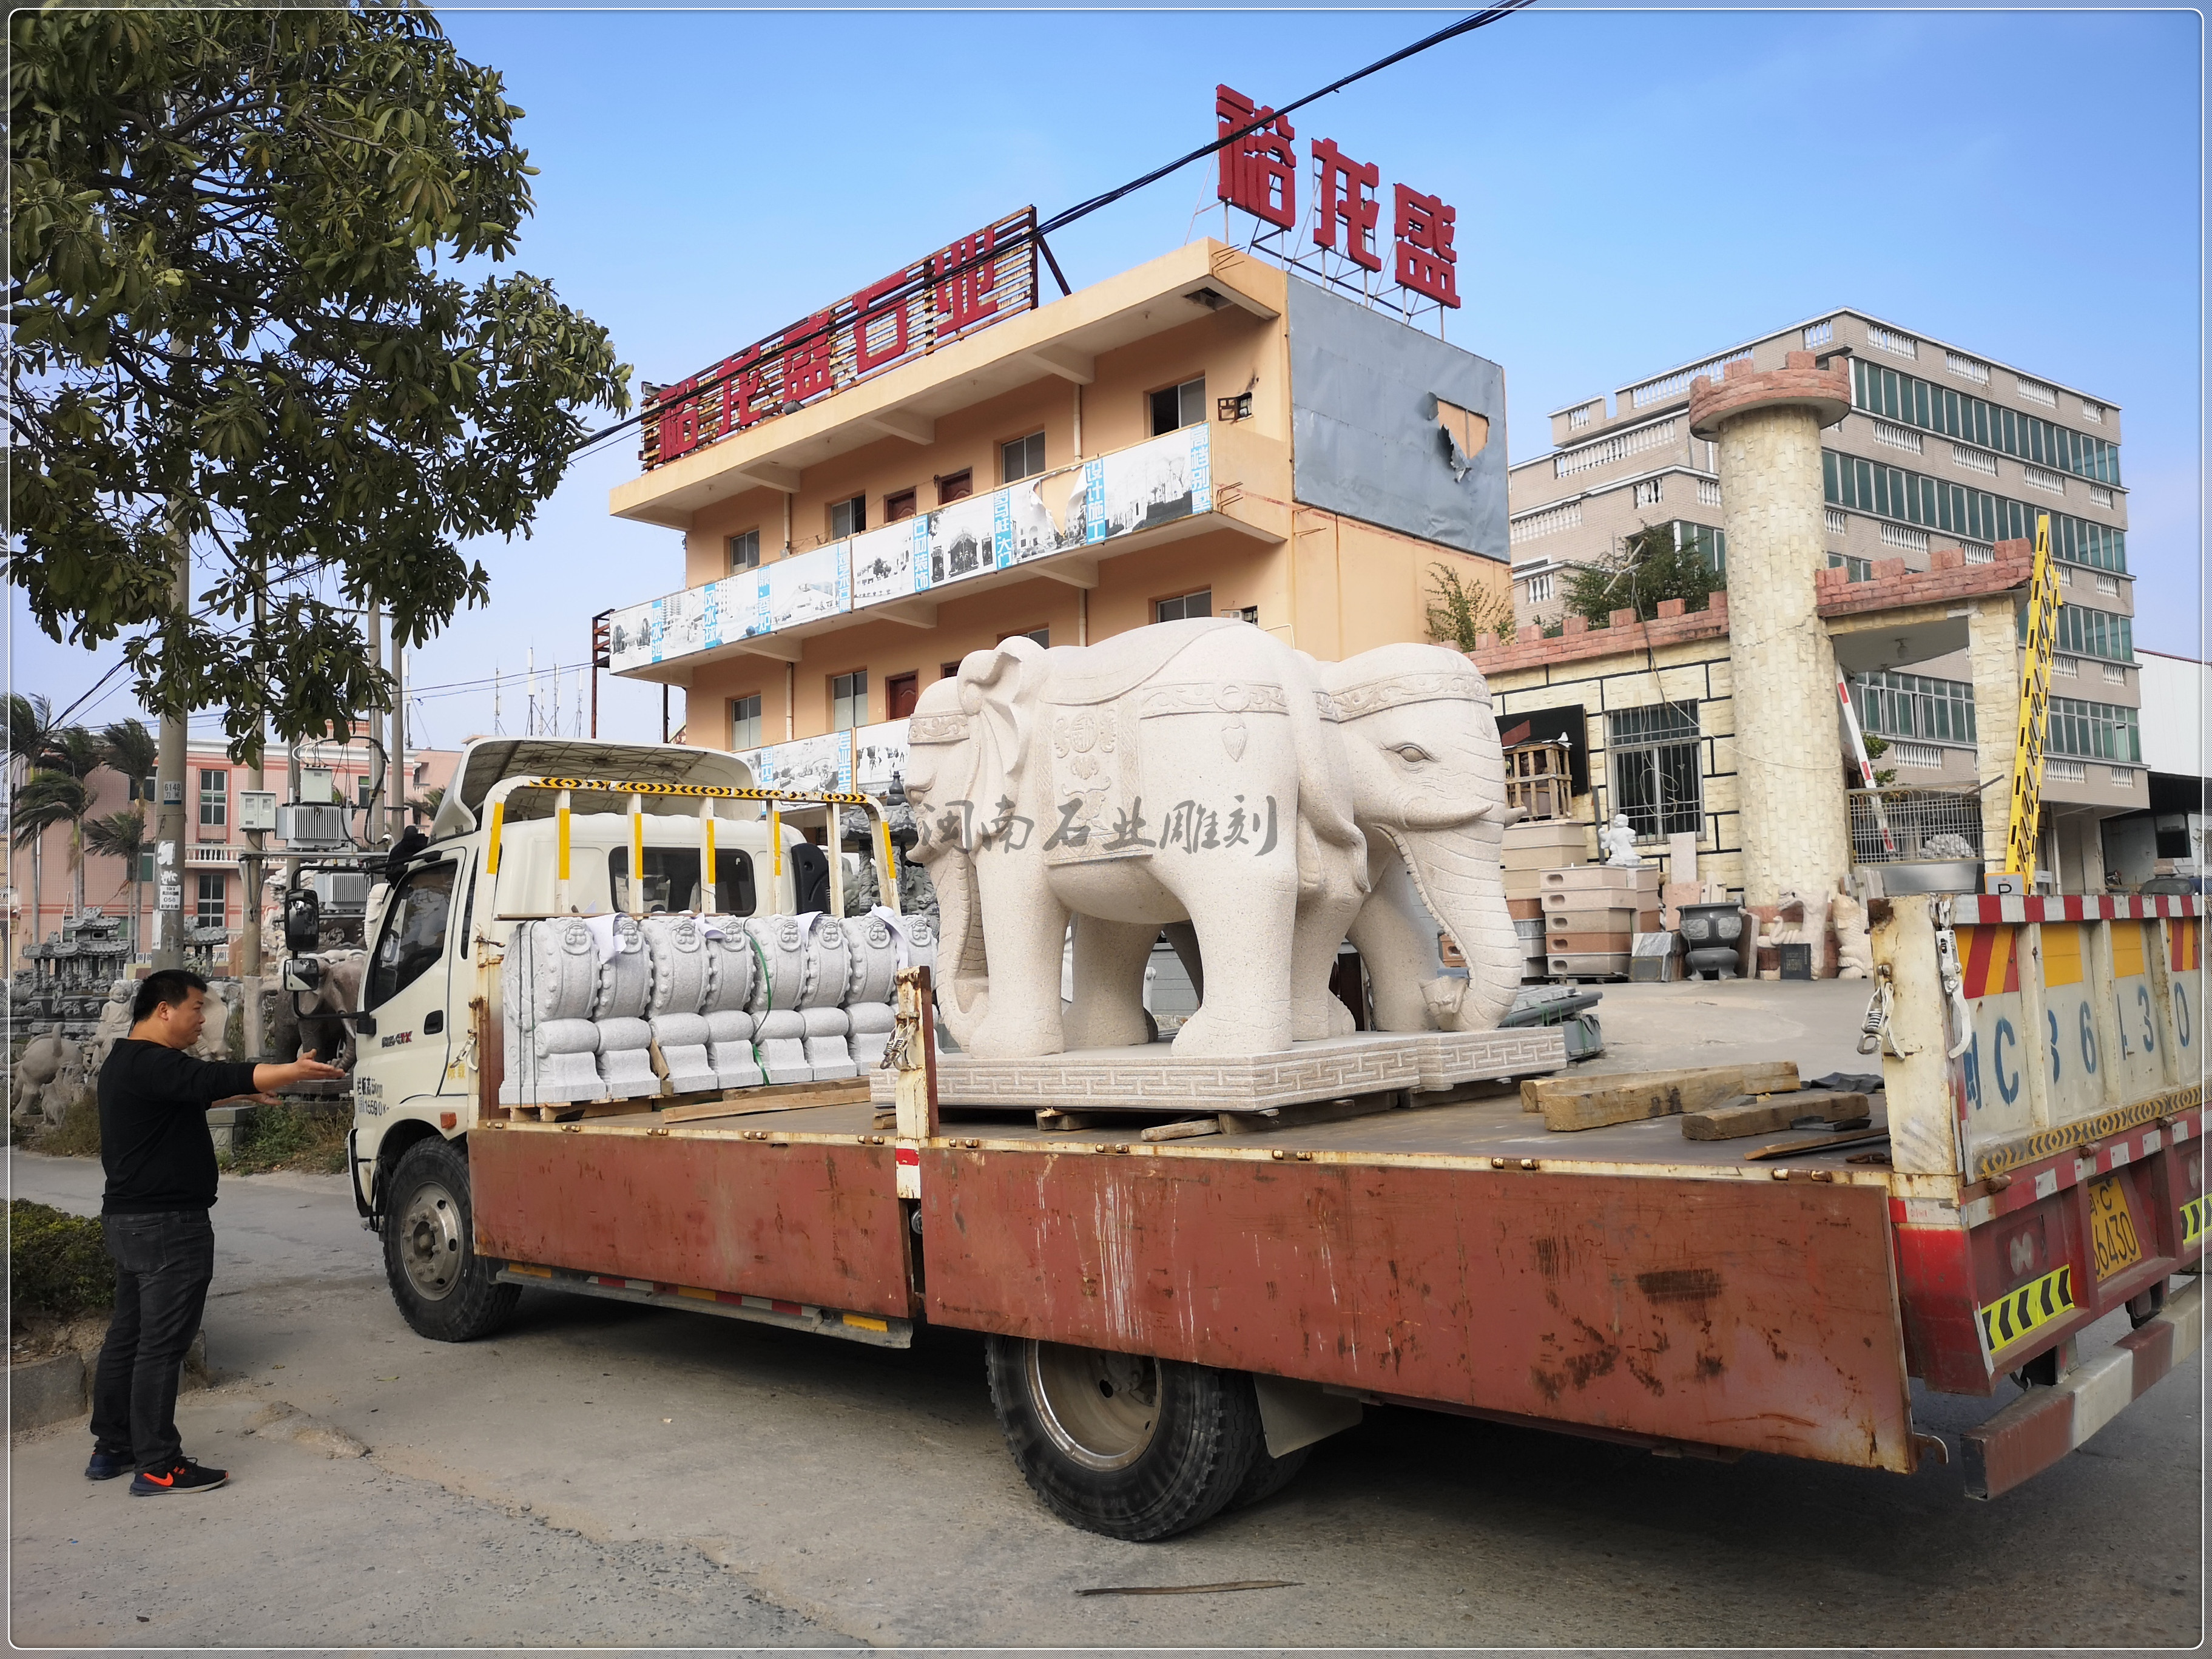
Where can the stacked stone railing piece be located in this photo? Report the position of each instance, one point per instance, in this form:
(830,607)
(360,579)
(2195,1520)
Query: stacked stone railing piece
(617,1007)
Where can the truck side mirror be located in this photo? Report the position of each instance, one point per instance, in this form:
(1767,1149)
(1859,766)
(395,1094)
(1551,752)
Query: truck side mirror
(303,920)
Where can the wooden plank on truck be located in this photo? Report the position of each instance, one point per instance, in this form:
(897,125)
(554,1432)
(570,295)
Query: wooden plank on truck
(773,1098)
(1663,1094)
(1763,1078)
(1731,1119)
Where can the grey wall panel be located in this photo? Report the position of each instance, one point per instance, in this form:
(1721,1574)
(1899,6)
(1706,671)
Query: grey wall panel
(1364,433)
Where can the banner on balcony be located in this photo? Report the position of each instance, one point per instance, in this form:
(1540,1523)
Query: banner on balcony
(1123,494)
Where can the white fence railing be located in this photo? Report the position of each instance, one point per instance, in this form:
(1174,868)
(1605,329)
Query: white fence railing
(1551,520)
(1975,460)
(2037,478)
(1967,368)
(1620,447)
(1897,437)
(1889,340)
(1904,535)
(2035,392)
(1674,385)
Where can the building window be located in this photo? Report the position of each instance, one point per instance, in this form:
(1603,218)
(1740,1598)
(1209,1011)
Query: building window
(898,507)
(363,791)
(1041,635)
(1178,406)
(958,487)
(946,670)
(1972,419)
(849,701)
(1022,459)
(1648,493)
(1539,588)
(1199,604)
(215,803)
(745,551)
(1710,542)
(1856,570)
(2092,731)
(211,907)
(1654,751)
(900,692)
(1896,705)
(847,518)
(1960,510)
(2087,632)
(746,722)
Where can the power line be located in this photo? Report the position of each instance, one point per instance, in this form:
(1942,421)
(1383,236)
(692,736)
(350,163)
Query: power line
(1467,25)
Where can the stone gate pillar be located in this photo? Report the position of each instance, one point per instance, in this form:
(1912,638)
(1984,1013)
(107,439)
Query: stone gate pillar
(1789,781)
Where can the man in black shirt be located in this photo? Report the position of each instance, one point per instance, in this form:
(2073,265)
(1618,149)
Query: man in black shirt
(160,1159)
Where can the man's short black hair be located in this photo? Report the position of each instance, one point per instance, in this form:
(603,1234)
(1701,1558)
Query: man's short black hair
(165,989)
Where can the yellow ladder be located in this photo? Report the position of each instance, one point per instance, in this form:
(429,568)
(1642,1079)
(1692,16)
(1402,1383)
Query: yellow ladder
(2026,821)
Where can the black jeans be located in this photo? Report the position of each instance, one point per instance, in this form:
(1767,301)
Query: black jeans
(163,1262)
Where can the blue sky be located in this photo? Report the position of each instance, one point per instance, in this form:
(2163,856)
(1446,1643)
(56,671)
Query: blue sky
(1634,190)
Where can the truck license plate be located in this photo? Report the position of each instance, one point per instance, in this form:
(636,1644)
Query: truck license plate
(2111,1230)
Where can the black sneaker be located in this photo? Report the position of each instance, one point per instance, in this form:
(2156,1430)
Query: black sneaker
(184,1475)
(106,1465)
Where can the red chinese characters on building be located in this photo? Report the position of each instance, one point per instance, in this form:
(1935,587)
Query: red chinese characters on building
(1259,170)
(810,359)
(1342,198)
(883,325)
(966,274)
(1427,263)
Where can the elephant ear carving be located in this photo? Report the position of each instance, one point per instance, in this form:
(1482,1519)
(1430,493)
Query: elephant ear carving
(998,690)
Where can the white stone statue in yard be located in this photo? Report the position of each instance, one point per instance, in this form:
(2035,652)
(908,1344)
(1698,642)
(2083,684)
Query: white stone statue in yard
(1205,772)
(1854,950)
(1617,840)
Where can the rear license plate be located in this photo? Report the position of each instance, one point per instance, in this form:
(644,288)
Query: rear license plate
(2111,1230)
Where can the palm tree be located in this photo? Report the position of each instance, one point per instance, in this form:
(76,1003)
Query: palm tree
(122,836)
(426,805)
(46,800)
(129,748)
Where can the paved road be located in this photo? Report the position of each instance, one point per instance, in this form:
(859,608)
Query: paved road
(604,1474)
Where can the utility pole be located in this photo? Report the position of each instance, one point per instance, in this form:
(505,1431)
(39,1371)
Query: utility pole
(398,763)
(250,868)
(169,785)
(380,763)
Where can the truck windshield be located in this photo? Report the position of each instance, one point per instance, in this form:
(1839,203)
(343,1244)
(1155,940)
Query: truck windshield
(671,880)
(414,936)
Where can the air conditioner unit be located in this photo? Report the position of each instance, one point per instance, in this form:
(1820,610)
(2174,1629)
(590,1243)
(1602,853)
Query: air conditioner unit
(342,892)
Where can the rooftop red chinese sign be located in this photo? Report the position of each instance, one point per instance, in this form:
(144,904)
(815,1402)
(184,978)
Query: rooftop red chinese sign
(1258,171)
(979,279)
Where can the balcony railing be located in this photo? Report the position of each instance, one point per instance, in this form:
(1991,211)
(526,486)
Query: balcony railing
(1089,506)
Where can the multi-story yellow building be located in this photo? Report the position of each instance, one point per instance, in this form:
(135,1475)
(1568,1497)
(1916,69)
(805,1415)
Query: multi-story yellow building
(1204,435)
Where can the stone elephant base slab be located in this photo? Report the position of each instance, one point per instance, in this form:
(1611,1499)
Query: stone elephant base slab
(1154,1079)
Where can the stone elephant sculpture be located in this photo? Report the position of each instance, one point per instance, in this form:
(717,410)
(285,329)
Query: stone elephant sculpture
(1203,773)
(310,1022)
(1177,773)
(1427,780)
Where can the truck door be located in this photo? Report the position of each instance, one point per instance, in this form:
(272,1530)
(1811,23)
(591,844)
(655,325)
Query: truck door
(406,986)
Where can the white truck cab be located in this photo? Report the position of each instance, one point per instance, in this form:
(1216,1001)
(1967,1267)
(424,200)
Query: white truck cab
(511,841)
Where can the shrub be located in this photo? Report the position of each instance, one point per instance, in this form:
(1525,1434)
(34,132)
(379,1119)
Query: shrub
(77,1135)
(290,1138)
(56,1263)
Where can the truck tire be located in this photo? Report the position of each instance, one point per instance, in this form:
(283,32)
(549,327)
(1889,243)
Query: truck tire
(445,1290)
(1268,1476)
(1124,1444)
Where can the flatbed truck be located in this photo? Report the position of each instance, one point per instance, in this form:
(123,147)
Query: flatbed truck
(1170,1324)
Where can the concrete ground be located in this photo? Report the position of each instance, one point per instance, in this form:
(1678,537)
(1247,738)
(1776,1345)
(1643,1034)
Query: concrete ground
(604,1475)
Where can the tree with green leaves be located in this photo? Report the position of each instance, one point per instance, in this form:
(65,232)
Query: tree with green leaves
(1653,564)
(126,746)
(44,800)
(121,836)
(254,320)
(1460,613)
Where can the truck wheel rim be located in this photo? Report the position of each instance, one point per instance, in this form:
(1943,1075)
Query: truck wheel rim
(1098,1408)
(430,1242)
